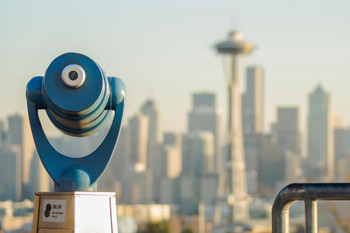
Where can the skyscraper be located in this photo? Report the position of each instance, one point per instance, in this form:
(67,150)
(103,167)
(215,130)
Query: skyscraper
(253,122)
(171,159)
(39,178)
(136,184)
(320,133)
(197,161)
(138,133)
(121,157)
(20,135)
(205,116)
(154,140)
(201,153)
(288,136)
(171,167)
(233,50)
(2,133)
(10,174)
(253,99)
(155,134)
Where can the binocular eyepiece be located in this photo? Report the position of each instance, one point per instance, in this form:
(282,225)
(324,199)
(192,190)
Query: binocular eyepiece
(77,95)
(73,76)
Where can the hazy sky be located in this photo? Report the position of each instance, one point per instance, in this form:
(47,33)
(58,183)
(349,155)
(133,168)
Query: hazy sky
(164,49)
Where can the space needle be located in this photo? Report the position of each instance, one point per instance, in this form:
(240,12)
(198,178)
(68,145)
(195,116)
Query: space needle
(233,50)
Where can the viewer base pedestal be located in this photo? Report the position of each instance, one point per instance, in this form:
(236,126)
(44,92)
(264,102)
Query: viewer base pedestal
(78,212)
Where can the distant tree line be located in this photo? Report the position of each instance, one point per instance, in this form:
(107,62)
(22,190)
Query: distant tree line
(162,227)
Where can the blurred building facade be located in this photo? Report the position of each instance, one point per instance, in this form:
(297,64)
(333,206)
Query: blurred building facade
(320,134)
(155,133)
(138,136)
(154,143)
(206,116)
(253,123)
(288,129)
(171,168)
(19,135)
(136,185)
(253,102)
(10,174)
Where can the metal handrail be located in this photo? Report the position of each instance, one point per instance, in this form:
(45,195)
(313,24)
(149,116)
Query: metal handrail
(309,193)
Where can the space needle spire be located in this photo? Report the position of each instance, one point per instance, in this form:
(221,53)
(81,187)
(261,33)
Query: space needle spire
(233,50)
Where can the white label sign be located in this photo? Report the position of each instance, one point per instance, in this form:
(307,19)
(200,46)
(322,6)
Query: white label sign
(54,210)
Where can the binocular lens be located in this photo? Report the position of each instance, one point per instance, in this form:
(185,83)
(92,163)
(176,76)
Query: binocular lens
(73,75)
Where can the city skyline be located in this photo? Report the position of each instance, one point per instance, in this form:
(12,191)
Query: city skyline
(335,117)
(168,60)
(187,182)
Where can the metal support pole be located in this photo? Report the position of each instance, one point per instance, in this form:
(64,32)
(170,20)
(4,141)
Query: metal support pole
(201,217)
(311,225)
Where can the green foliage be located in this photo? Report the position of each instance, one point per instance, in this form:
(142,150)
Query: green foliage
(187,230)
(160,227)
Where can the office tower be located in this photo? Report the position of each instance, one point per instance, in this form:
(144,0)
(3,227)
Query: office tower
(197,161)
(233,50)
(293,172)
(172,139)
(155,134)
(205,116)
(136,184)
(20,135)
(343,168)
(209,183)
(171,159)
(189,192)
(121,156)
(337,121)
(253,122)
(171,167)
(154,144)
(320,133)
(288,136)
(10,173)
(340,143)
(201,152)
(253,102)
(39,178)
(271,167)
(341,153)
(169,191)
(2,133)
(138,132)
(198,153)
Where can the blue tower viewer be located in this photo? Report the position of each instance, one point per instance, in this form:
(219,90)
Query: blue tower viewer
(79,99)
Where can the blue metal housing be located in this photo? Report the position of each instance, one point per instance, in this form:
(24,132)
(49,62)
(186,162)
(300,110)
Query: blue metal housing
(77,112)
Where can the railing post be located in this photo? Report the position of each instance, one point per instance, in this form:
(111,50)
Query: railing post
(280,211)
(285,219)
(311,225)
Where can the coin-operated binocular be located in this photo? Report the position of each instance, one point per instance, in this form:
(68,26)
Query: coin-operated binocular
(78,99)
